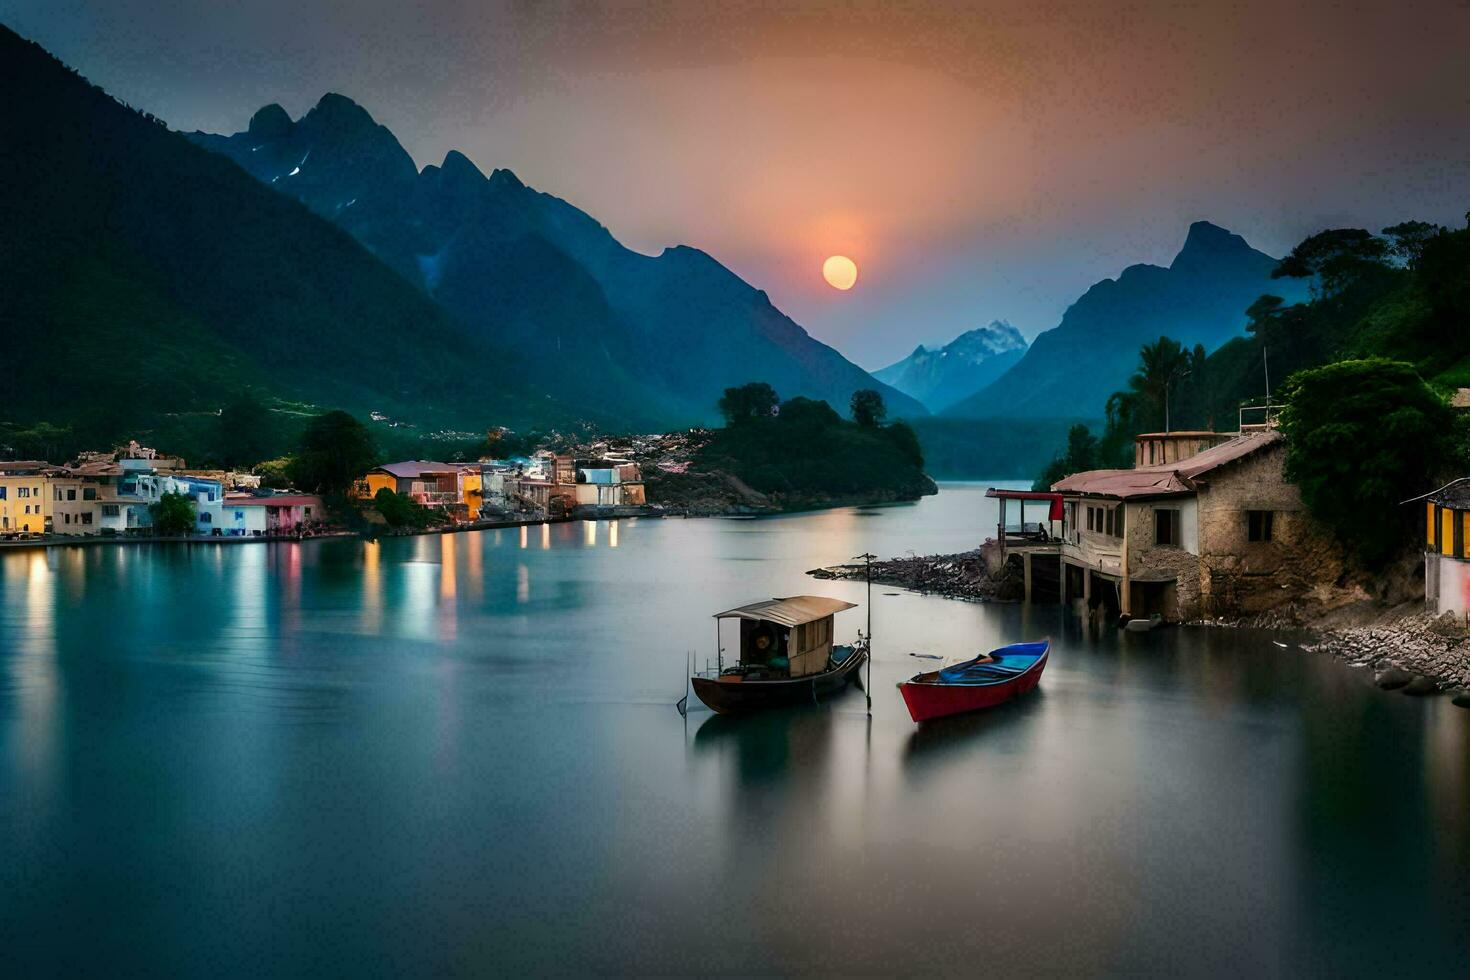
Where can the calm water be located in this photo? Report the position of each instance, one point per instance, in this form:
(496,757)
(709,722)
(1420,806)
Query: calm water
(459,755)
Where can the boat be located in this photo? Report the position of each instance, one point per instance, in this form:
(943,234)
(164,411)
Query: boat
(786,656)
(1143,625)
(983,682)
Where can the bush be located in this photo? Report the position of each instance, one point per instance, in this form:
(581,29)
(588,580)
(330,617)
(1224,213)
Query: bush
(400,511)
(173,515)
(1363,436)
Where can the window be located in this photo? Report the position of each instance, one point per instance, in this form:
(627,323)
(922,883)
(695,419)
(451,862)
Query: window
(1119,522)
(1109,522)
(1092,518)
(58,493)
(89,493)
(239,515)
(86,517)
(2,492)
(109,510)
(68,518)
(206,518)
(1166,527)
(1150,453)
(1259,524)
(28,508)
(71,493)
(22,491)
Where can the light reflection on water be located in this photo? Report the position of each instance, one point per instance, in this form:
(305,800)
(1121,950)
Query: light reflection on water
(339,755)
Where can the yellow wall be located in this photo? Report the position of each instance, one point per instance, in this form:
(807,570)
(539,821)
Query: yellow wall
(13,516)
(1429,524)
(376,482)
(469,489)
(1446,531)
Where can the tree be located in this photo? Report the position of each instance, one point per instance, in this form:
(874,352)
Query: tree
(173,515)
(335,451)
(242,433)
(1408,238)
(749,401)
(400,511)
(1082,454)
(1335,258)
(1361,437)
(868,409)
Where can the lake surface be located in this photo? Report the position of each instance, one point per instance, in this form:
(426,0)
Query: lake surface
(460,754)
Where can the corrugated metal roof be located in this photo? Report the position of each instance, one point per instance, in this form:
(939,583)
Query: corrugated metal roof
(1166,479)
(792,611)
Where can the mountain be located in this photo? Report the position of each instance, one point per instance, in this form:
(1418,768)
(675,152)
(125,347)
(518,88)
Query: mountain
(1200,298)
(146,278)
(655,336)
(943,376)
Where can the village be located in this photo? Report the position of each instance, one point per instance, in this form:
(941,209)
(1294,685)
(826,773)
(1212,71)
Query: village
(116,495)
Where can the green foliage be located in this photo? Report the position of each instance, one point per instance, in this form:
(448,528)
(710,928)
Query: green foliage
(1362,436)
(173,515)
(756,400)
(867,408)
(807,453)
(400,511)
(1083,453)
(335,451)
(275,474)
(1334,258)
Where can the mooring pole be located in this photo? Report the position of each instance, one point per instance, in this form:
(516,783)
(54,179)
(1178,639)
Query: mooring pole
(868,569)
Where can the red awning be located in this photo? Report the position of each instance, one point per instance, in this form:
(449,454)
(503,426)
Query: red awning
(1054,512)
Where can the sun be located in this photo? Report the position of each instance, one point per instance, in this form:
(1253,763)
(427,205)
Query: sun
(840,272)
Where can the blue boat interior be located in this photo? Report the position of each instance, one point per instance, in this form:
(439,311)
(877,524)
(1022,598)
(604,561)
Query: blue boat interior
(996,667)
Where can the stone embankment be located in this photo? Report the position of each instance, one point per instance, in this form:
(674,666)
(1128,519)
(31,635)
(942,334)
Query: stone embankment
(976,576)
(1415,654)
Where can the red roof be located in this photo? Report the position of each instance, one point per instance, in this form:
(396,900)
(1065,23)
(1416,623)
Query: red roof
(1166,479)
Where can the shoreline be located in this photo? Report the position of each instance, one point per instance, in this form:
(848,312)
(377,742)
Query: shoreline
(1408,650)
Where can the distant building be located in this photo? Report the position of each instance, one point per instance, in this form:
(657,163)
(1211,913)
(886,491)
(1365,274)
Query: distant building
(1217,531)
(23,496)
(284,513)
(609,483)
(454,488)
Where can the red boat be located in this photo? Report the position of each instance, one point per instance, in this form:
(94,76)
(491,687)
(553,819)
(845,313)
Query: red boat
(984,682)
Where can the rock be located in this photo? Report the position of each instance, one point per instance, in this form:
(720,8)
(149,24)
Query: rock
(1393,678)
(1461,700)
(1420,686)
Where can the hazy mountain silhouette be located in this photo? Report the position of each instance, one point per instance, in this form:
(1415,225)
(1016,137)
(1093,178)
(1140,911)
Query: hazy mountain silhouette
(147,277)
(1200,298)
(939,377)
(658,336)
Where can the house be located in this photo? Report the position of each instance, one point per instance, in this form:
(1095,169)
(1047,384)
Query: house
(1446,553)
(1213,532)
(91,498)
(452,487)
(253,516)
(609,483)
(22,496)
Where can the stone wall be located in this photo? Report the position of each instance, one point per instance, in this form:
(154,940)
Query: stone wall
(1244,577)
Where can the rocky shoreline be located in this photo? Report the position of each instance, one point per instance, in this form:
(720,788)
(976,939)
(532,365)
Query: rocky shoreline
(1408,651)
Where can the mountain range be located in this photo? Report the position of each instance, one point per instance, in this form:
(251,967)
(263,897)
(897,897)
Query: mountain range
(657,338)
(147,278)
(939,377)
(1200,298)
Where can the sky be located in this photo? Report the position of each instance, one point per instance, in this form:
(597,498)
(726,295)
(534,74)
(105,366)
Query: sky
(977,161)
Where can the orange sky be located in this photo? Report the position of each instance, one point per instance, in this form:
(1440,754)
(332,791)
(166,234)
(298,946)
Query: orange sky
(977,160)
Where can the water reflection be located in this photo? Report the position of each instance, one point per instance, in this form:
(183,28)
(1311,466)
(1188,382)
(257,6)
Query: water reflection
(398,763)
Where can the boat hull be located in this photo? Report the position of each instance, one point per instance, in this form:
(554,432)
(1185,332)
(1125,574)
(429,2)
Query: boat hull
(743,697)
(928,700)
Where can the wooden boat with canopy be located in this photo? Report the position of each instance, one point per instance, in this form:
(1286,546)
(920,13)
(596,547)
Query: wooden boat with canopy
(786,656)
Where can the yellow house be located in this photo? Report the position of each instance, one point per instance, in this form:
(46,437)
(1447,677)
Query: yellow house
(23,496)
(452,487)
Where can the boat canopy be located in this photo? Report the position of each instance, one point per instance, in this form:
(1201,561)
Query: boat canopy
(793,611)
